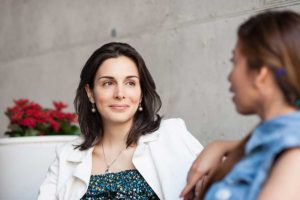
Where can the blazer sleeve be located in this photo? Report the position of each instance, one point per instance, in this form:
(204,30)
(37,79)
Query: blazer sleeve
(192,144)
(48,188)
(173,154)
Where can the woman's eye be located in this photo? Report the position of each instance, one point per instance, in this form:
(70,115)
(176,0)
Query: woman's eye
(131,83)
(107,83)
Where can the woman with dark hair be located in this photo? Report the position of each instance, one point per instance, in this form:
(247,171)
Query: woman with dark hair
(265,81)
(126,151)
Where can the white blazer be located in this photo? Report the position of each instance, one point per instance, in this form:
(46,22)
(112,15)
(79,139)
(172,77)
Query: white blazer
(163,158)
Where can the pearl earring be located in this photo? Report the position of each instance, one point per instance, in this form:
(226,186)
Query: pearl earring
(140,108)
(93,108)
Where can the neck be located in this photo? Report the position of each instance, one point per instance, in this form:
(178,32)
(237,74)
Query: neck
(273,109)
(115,134)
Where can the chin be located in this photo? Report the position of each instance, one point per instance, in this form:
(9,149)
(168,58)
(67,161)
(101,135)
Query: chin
(244,111)
(120,119)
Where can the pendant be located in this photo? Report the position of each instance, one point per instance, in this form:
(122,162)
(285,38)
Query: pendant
(107,171)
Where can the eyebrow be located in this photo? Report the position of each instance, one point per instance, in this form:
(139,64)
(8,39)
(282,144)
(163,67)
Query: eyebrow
(110,77)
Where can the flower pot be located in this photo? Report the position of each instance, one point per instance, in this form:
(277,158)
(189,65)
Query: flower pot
(24,162)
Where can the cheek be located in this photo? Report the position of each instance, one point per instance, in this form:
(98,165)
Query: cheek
(101,96)
(135,96)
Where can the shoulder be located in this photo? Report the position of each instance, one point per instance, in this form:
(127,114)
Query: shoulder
(69,147)
(173,127)
(172,123)
(288,159)
(291,155)
(174,130)
(285,142)
(284,177)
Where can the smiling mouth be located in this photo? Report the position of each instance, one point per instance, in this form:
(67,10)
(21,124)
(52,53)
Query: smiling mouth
(119,107)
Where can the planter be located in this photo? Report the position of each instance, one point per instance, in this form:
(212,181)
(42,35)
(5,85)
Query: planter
(24,162)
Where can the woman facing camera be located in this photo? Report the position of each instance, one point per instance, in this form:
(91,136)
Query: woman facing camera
(265,80)
(126,151)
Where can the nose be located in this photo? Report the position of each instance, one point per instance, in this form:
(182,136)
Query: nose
(119,92)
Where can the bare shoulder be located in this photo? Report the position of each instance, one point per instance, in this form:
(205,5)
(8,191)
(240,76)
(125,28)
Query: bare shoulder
(284,178)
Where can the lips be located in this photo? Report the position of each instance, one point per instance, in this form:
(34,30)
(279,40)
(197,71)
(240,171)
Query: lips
(119,106)
(231,90)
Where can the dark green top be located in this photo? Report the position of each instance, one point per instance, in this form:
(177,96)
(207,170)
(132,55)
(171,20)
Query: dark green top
(128,184)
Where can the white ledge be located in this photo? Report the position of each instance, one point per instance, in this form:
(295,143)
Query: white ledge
(36,139)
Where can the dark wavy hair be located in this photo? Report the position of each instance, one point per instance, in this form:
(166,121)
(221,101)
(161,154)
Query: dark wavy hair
(91,124)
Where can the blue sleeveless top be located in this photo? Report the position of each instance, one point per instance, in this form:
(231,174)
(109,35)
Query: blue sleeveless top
(128,184)
(269,139)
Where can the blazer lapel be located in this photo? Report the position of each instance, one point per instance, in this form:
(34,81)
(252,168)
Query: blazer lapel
(143,162)
(83,160)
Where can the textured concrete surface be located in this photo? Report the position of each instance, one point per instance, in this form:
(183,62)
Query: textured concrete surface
(186,45)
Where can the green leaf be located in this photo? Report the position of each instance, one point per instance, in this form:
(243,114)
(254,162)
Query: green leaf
(15,128)
(31,132)
(41,127)
(75,130)
(14,134)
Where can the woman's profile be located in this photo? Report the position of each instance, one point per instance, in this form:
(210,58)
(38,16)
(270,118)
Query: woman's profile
(265,81)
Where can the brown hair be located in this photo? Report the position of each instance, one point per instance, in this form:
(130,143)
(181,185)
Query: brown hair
(90,123)
(273,39)
(269,39)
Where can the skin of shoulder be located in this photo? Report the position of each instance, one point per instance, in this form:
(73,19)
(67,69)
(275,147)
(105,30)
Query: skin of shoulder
(284,179)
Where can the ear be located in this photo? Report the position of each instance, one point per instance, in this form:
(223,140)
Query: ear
(89,93)
(262,78)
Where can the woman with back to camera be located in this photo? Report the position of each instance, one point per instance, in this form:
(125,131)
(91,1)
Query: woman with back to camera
(126,151)
(265,80)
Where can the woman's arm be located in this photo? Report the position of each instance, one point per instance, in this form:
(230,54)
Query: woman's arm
(48,188)
(284,179)
(204,167)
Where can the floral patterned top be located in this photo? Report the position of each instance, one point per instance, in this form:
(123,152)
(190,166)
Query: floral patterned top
(128,184)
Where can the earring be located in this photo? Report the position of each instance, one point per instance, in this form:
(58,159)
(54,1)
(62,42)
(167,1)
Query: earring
(140,107)
(93,108)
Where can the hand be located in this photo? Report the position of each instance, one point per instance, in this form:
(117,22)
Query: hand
(204,167)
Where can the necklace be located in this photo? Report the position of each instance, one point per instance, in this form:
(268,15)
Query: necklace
(114,160)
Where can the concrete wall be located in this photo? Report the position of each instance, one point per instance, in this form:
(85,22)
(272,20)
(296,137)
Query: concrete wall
(186,44)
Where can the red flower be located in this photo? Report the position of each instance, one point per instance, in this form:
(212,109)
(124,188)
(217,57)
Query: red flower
(29,122)
(59,105)
(54,125)
(33,106)
(21,102)
(16,116)
(58,115)
(71,117)
(28,114)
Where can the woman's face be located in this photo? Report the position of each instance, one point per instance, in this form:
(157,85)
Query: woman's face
(117,91)
(242,83)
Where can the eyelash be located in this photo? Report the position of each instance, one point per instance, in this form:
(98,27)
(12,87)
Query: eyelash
(107,83)
(131,83)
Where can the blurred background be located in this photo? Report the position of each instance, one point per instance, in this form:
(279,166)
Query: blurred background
(186,45)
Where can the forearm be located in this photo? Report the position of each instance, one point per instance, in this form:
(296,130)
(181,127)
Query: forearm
(225,146)
(208,161)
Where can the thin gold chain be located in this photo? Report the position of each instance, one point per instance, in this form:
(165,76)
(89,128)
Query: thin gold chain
(109,165)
